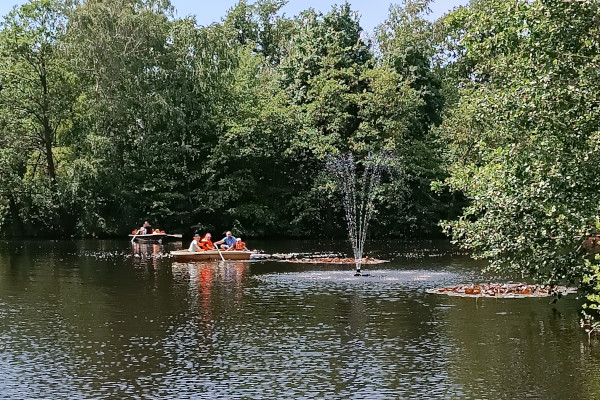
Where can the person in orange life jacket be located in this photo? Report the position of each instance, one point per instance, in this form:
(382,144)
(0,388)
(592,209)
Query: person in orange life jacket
(239,245)
(195,245)
(206,243)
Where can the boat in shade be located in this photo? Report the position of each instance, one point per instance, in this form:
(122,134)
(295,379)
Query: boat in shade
(210,255)
(155,237)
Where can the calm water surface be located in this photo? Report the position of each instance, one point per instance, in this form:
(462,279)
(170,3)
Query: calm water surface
(111,320)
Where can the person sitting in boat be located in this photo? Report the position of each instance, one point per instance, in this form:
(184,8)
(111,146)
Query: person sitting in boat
(206,243)
(227,242)
(146,229)
(239,245)
(195,245)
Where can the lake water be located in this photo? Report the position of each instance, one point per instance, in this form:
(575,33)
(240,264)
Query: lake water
(112,320)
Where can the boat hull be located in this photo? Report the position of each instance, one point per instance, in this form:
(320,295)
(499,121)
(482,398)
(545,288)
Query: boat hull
(209,255)
(154,237)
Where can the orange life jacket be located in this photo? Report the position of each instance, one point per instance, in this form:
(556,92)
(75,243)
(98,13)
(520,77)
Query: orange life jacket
(206,244)
(240,245)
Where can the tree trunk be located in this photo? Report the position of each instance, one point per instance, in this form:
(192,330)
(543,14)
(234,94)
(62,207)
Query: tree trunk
(48,134)
(17,224)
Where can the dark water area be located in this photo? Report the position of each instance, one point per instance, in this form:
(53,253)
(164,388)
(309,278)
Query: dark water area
(111,320)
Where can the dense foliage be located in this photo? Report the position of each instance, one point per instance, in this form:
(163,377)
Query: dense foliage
(523,134)
(114,111)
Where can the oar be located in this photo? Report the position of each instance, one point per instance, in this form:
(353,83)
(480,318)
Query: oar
(134,235)
(217,247)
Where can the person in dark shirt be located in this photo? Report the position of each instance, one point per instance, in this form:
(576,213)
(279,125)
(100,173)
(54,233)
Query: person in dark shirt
(146,229)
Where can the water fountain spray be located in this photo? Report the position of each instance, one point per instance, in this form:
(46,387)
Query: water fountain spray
(358,202)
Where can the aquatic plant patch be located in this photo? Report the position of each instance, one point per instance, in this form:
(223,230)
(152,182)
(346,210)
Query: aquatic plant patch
(505,290)
(335,260)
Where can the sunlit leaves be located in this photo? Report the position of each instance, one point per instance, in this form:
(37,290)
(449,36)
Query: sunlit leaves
(523,134)
(152,117)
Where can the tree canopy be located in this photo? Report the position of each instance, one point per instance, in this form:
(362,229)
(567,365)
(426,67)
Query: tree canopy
(115,111)
(523,132)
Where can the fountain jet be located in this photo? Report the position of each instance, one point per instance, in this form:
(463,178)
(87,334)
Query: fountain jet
(359,195)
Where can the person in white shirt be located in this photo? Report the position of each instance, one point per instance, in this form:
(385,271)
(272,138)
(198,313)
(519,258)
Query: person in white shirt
(195,245)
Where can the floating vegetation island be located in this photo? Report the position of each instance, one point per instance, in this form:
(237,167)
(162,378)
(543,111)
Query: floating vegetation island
(335,260)
(315,258)
(504,290)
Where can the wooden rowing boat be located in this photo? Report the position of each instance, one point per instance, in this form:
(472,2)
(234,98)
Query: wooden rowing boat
(155,237)
(210,255)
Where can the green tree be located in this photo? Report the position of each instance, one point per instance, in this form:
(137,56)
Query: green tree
(524,133)
(348,100)
(109,113)
(407,47)
(36,97)
(259,26)
(155,103)
(322,78)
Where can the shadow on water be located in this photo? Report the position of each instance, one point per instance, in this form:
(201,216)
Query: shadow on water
(90,319)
